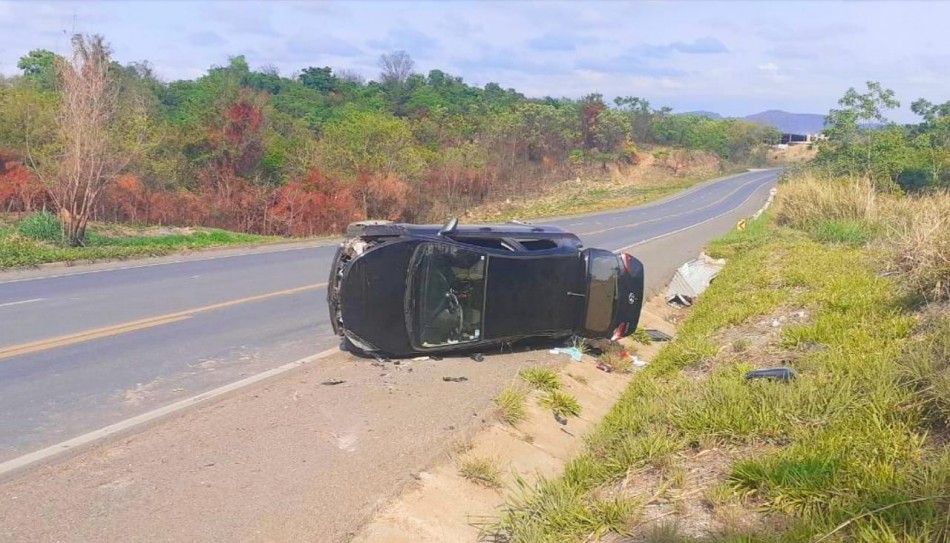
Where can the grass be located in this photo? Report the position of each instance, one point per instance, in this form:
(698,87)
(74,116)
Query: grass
(912,233)
(541,378)
(511,405)
(19,247)
(481,471)
(560,403)
(616,362)
(858,443)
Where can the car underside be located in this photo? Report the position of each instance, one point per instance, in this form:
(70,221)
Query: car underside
(400,290)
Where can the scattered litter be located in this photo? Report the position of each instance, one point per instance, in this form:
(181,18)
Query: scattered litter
(573,352)
(397,363)
(603,367)
(774,374)
(656,335)
(455,379)
(478,357)
(776,323)
(637,362)
(560,419)
(421,358)
(691,279)
(332,382)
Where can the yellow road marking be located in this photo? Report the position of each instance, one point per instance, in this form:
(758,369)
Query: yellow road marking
(132,326)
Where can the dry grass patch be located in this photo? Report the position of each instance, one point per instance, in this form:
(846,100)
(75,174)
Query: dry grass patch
(511,405)
(481,471)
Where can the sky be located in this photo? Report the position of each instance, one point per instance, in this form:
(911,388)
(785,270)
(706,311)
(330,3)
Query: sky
(734,58)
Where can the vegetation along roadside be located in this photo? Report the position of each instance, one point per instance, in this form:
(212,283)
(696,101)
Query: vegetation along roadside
(843,283)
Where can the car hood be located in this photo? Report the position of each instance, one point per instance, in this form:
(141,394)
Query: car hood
(383,271)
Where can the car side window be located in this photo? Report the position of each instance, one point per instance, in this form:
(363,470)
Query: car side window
(450,293)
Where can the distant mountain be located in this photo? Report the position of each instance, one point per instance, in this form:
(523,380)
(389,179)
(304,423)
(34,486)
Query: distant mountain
(794,123)
(783,121)
(710,114)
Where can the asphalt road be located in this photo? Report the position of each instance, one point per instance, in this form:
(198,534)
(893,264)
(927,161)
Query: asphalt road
(87,347)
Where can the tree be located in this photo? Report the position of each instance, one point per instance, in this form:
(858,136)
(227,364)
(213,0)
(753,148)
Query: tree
(321,79)
(852,128)
(395,67)
(933,138)
(39,66)
(92,136)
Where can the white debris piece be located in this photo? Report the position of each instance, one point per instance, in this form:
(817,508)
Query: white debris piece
(692,278)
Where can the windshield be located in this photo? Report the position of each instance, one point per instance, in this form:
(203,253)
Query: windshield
(450,293)
(602,292)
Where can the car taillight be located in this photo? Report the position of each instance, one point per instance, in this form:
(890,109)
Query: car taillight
(626,261)
(618,333)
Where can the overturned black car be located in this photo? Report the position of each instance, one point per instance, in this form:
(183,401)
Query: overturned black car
(406,289)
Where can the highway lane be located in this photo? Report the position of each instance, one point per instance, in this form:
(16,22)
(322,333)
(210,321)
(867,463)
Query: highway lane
(261,311)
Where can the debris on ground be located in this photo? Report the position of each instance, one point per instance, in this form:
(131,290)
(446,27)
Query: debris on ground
(692,279)
(573,352)
(455,379)
(773,374)
(421,358)
(332,382)
(637,362)
(560,419)
(478,357)
(656,335)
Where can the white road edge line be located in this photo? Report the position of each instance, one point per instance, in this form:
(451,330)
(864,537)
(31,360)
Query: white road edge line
(690,212)
(179,261)
(21,302)
(71,444)
(654,238)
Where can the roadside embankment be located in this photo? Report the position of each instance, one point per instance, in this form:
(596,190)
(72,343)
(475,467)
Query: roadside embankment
(854,448)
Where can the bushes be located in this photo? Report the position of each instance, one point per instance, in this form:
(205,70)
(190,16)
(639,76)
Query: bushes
(42,226)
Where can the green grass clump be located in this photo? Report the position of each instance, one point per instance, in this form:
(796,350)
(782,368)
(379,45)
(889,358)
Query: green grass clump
(541,378)
(843,232)
(38,240)
(558,512)
(481,471)
(43,226)
(560,403)
(511,405)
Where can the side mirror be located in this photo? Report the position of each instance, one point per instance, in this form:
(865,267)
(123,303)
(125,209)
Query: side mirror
(449,227)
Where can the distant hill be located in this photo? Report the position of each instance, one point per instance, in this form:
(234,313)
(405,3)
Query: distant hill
(795,123)
(783,121)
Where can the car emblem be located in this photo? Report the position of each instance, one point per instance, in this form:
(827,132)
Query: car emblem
(632,298)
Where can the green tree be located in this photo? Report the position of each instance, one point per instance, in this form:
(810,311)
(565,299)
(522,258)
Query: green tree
(852,128)
(39,66)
